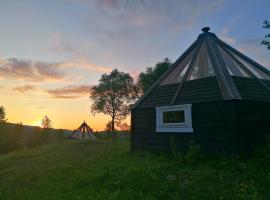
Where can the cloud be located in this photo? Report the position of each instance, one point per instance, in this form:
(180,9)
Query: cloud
(41,107)
(131,29)
(152,14)
(63,47)
(229,28)
(24,88)
(81,63)
(70,92)
(59,44)
(22,69)
(17,69)
(49,70)
(253,49)
(225,35)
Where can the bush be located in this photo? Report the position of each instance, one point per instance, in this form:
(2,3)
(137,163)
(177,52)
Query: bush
(193,153)
(15,137)
(262,152)
(108,135)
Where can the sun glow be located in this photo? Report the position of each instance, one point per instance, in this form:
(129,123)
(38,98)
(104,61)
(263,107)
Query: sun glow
(37,123)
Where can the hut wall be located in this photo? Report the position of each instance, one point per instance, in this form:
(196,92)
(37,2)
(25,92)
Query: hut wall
(219,126)
(213,125)
(253,124)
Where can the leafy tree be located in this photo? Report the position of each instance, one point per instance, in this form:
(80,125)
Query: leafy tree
(266,41)
(2,114)
(108,127)
(146,79)
(113,96)
(124,127)
(46,122)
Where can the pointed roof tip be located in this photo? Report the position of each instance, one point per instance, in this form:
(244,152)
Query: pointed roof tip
(206,29)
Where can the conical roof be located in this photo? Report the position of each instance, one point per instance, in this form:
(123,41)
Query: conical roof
(210,56)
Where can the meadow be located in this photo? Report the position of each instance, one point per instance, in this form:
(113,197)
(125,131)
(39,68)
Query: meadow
(107,169)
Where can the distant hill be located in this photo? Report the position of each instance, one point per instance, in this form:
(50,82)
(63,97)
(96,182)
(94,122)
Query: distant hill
(14,137)
(27,128)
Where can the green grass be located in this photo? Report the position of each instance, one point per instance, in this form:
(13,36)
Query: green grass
(106,169)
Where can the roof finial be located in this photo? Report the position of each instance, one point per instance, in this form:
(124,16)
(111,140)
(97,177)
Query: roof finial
(205,29)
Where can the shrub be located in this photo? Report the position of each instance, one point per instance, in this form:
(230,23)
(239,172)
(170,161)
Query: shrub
(193,153)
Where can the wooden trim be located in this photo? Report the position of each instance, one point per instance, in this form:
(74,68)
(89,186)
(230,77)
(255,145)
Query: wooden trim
(187,73)
(246,69)
(229,80)
(265,70)
(184,127)
(222,78)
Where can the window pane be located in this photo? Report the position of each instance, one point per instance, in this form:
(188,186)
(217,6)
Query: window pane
(177,116)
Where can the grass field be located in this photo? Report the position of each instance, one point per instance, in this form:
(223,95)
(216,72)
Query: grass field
(106,169)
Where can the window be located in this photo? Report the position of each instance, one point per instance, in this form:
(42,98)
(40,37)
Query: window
(174,118)
(177,116)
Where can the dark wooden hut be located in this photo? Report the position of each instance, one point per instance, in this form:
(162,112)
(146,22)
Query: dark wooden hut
(212,95)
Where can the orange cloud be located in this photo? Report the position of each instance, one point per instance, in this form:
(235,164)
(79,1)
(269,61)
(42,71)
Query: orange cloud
(86,65)
(70,92)
(24,88)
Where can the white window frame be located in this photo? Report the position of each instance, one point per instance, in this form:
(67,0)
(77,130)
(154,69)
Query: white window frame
(185,127)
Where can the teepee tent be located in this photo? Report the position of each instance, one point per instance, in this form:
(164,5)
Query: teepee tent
(212,94)
(83,132)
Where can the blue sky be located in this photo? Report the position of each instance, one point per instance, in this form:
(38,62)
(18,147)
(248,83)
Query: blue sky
(68,44)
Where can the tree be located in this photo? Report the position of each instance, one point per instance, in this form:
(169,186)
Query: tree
(113,96)
(124,127)
(266,41)
(2,114)
(146,79)
(46,122)
(108,127)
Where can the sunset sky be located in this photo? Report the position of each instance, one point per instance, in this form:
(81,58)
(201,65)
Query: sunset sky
(52,52)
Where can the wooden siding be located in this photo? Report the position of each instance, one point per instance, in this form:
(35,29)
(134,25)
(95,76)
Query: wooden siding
(161,95)
(253,123)
(205,90)
(200,90)
(251,89)
(219,127)
(213,129)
